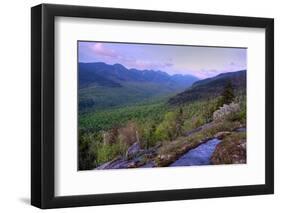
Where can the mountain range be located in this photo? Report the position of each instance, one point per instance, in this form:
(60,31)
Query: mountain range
(211,87)
(103,85)
(113,76)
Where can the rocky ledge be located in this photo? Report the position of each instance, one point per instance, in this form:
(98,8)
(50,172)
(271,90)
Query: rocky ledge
(135,157)
(232,149)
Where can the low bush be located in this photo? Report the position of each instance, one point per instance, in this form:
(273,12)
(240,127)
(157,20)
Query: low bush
(147,134)
(128,134)
(87,150)
(171,126)
(107,152)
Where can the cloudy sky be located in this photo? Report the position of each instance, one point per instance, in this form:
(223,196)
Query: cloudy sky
(199,61)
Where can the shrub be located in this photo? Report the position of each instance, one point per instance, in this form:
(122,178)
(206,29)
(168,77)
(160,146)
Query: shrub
(128,134)
(170,127)
(238,116)
(87,146)
(110,136)
(147,135)
(107,152)
(208,109)
(193,123)
(198,113)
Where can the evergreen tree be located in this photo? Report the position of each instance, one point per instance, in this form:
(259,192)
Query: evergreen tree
(227,94)
(179,122)
(87,159)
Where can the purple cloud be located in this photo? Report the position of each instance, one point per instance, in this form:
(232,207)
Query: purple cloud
(200,61)
(103,51)
(144,64)
(100,49)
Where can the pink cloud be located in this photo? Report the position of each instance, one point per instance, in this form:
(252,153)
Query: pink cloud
(101,50)
(112,56)
(141,64)
(203,73)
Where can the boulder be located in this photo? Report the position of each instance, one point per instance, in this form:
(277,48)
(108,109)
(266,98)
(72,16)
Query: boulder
(225,110)
(133,150)
(149,164)
(110,164)
(230,152)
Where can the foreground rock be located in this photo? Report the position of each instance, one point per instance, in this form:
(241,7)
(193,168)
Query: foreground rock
(135,157)
(198,129)
(232,150)
(198,156)
(133,150)
(176,150)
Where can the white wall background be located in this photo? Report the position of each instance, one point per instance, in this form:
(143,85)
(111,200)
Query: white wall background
(15,105)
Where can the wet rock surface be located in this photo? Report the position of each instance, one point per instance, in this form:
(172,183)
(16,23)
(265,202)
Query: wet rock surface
(224,148)
(201,155)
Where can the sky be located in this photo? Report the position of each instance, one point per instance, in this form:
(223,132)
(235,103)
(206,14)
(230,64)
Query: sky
(200,61)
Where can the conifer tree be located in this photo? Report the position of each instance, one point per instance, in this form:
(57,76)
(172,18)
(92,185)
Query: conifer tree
(228,94)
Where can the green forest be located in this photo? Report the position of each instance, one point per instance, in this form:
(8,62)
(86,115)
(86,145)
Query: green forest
(118,129)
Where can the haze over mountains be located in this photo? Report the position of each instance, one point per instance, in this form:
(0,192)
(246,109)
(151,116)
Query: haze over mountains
(113,75)
(211,87)
(102,85)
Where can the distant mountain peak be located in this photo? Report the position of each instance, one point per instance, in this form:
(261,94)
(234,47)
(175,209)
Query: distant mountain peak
(120,66)
(117,74)
(211,87)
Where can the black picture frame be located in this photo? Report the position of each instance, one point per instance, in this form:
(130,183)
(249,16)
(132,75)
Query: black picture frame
(43,111)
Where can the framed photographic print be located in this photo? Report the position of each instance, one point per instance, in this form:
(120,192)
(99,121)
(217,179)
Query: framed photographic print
(139,106)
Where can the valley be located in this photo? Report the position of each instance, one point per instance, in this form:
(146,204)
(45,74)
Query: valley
(131,118)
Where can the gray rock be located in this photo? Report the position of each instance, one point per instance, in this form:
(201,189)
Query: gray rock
(150,164)
(225,110)
(198,129)
(133,150)
(241,129)
(110,164)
